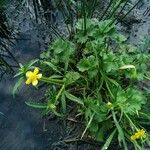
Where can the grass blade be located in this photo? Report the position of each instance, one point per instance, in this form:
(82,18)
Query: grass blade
(121,136)
(63,103)
(88,125)
(52,66)
(17,85)
(108,141)
(73,98)
(36,105)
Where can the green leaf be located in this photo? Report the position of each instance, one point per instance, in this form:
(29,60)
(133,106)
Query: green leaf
(56,113)
(63,50)
(114,82)
(31,63)
(87,63)
(36,105)
(88,125)
(92,72)
(104,128)
(63,103)
(51,107)
(119,37)
(90,24)
(18,74)
(71,77)
(59,93)
(73,98)
(52,80)
(17,85)
(130,100)
(20,65)
(144,115)
(55,76)
(94,127)
(105,26)
(121,136)
(58,46)
(108,141)
(52,66)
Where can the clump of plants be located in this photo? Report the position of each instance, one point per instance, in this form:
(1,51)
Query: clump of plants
(98,74)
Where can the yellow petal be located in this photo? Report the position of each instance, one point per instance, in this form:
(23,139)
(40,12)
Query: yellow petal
(133,137)
(28,74)
(34,82)
(28,81)
(39,76)
(36,70)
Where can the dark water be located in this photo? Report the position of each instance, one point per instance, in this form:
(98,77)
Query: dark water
(21,127)
(142,29)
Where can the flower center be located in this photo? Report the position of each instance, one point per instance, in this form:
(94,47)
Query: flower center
(33,77)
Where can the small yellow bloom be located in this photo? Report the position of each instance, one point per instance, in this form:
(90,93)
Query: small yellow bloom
(109,104)
(140,134)
(133,137)
(33,77)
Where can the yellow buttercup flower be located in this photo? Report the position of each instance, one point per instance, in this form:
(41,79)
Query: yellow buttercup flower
(140,134)
(109,104)
(133,137)
(33,77)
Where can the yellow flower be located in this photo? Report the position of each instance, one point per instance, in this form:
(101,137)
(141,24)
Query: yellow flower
(33,77)
(109,104)
(133,137)
(140,134)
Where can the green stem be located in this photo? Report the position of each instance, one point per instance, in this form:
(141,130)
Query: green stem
(88,125)
(109,90)
(147,78)
(107,85)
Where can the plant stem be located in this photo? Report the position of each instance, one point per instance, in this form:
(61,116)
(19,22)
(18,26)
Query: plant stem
(88,125)
(59,93)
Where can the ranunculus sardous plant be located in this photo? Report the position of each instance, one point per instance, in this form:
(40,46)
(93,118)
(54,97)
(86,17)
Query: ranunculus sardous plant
(100,73)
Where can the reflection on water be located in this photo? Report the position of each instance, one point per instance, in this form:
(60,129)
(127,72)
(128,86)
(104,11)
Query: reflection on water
(21,127)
